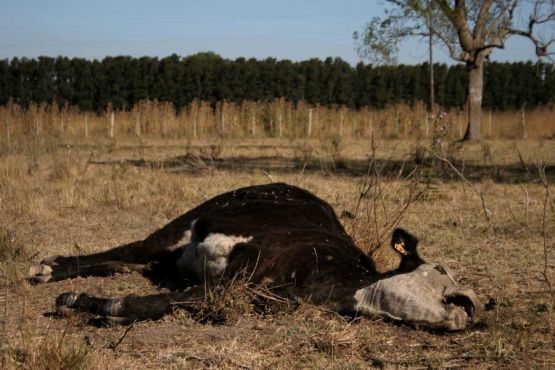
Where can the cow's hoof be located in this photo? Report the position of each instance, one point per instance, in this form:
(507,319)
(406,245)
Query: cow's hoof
(65,312)
(51,261)
(40,273)
(67,299)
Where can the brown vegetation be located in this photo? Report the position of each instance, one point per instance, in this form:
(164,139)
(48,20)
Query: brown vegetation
(275,119)
(62,195)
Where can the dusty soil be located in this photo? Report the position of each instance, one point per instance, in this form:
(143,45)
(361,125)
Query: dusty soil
(75,199)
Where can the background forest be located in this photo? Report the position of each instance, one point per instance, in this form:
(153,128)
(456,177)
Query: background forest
(124,81)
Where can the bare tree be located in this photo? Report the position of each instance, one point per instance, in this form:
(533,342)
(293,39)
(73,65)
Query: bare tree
(469,29)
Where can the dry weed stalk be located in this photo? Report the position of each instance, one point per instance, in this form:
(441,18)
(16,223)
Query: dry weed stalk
(115,345)
(547,197)
(372,183)
(443,158)
(278,118)
(226,302)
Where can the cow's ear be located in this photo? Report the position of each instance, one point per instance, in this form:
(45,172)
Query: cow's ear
(201,228)
(404,242)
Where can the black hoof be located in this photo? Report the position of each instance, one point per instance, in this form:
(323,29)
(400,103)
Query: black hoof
(67,299)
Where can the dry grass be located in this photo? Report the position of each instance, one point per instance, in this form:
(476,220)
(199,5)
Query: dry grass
(274,119)
(64,199)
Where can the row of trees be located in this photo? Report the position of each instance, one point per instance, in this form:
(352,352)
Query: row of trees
(123,81)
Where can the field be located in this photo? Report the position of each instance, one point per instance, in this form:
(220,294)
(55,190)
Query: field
(279,118)
(492,220)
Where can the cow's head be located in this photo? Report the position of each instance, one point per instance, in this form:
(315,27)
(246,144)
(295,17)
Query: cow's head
(419,293)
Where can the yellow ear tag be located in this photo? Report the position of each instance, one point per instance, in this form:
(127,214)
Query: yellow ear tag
(400,247)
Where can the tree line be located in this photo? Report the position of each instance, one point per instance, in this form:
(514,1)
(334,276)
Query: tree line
(123,81)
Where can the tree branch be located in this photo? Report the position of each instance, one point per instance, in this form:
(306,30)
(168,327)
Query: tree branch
(542,47)
(461,57)
(446,9)
(482,19)
(461,25)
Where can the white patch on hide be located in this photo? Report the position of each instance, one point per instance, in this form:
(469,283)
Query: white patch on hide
(112,307)
(208,258)
(185,239)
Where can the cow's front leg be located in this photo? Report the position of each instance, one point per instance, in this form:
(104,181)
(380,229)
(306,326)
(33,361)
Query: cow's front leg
(126,310)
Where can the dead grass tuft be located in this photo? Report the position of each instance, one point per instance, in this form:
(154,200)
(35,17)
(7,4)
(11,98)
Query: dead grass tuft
(225,303)
(69,200)
(50,353)
(11,249)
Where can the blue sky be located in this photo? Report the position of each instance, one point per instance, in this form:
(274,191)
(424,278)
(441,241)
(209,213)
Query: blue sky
(283,29)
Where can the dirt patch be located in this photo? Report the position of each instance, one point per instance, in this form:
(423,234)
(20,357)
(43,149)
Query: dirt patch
(103,205)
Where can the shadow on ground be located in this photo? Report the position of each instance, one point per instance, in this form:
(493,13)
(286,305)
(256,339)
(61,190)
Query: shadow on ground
(513,173)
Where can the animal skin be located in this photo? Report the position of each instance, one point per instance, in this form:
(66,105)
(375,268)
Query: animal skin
(278,235)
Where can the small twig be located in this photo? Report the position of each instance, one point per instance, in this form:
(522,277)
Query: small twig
(376,202)
(527,203)
(255,267)
(195,357)
(302,170)
(513,216)
(522,162)
(413,195)
(268,175)
(87,164)
(267,295)
(543,178)
(115,345)
(5,319)
(444,159)
(6,300)
(365,188)
(58,350)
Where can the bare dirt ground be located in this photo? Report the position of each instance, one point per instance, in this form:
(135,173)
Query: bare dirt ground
(76,199)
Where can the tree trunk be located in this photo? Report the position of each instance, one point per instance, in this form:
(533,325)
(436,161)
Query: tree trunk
(475,91)
(431,61)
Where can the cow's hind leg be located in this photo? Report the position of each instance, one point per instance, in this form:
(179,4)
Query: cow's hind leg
(126,310)
(156,247)
(42,273)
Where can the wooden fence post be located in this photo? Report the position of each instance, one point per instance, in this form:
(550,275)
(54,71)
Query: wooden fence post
(371,123)
(112,123)
(523,123)
(489,124)
(398,127)
(316,117)
(309,128)
(195,121)
(253,121)
(280,123)
(341,118)
(86,125)
(460,124)
(272,127)
(8,133)
(427,124)
(138,125)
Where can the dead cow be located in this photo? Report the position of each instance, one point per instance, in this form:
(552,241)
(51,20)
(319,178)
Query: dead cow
(283,237)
